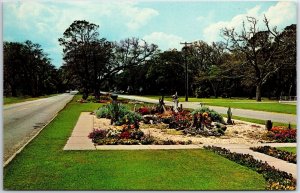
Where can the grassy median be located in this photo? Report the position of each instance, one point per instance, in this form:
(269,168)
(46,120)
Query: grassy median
(43,165)
(289,149)
(265,105)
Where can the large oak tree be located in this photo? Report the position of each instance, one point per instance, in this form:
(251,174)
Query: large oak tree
(260,49)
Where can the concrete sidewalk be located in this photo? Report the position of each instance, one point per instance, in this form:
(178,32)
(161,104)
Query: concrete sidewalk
(79,138)
(262,115)
(272,161)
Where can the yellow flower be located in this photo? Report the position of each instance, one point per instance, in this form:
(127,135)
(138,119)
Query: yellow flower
(205,114)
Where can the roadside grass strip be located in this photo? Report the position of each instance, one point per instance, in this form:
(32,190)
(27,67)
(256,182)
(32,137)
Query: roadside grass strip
(13,100)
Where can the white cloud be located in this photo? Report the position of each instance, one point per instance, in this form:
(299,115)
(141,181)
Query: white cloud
(43,20)
(164,41)
(136,17)
(281,12)
(277,15)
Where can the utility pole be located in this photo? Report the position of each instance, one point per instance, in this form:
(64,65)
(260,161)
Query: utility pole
(186,70)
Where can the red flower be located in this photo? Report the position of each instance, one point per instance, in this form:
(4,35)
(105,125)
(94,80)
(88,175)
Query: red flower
(125,135)
(144,110)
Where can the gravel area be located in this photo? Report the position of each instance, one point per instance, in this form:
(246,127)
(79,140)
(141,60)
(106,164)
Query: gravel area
(239,133)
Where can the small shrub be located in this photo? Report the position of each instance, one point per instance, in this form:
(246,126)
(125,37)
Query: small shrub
(119,113)
(147,139)
(180,120)
(144,110)
(102,112)
(97,134)
(215,116)
(130,117)
(125,135)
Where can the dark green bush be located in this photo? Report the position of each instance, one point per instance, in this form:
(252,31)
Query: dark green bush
(215,116)
(119,112)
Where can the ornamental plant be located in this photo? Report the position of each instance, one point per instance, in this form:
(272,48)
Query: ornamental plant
(215,116)
(180,120)
(97,134)
(144,110)
(120,113)
(283,135)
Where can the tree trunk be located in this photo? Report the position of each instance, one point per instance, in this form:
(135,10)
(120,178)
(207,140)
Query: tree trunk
(97,93)
(85,94)
(258,92)
(13,91)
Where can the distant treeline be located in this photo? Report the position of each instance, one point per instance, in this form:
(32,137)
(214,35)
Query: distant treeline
(28,71)
(249,63)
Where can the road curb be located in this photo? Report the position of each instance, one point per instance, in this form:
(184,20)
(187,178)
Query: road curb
(21,148)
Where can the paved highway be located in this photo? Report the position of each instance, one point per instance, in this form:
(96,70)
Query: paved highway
(21,121)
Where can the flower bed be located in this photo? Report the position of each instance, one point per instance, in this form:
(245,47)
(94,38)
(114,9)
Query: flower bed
(271,151)
(128,135)
(202,121)
(277,180)
(282,134)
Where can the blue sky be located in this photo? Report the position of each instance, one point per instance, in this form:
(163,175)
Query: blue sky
(165,23)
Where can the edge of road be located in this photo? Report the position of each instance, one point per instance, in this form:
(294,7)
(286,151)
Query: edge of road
(12,105)
(21,148)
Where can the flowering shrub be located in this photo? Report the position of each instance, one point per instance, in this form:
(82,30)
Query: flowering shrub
(128,135)
(144,110)
(283,135)
(172,142)
(180,120)
(97,134)
(271,151)
(125,135)
(277,180)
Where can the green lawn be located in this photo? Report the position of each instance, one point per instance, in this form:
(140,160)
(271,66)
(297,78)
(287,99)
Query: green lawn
(259,121)
(265,105)
(289,149)
(12,100)
(43,165)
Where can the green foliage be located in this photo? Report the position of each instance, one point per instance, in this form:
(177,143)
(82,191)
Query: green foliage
(288,149)
(28,70)
(103,112)
(277,180)
(130,117)
(119,112)
(212,113)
